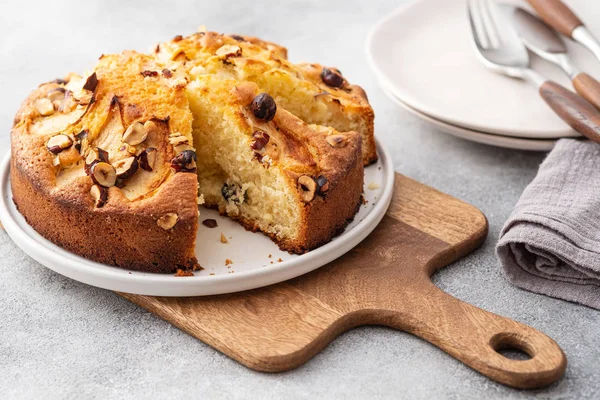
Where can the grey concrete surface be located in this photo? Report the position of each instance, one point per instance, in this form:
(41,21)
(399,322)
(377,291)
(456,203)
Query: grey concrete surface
(63,339)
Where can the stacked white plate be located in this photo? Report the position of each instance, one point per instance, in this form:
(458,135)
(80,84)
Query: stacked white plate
(423,57)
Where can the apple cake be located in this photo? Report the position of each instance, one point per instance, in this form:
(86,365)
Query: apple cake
(113,165)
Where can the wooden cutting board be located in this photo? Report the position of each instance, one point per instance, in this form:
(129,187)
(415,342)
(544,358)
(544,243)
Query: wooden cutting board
(383,281)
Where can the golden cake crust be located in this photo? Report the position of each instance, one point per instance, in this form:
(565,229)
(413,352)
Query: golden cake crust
(124,233)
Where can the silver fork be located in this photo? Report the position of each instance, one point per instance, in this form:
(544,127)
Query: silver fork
(500,49)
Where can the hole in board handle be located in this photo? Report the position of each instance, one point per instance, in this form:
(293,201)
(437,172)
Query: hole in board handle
(512,346)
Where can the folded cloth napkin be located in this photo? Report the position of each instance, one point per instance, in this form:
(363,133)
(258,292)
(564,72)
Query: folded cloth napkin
(551,242)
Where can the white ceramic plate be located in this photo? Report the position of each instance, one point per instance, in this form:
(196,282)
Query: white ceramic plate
(257,261)
(479,137)
(423,53)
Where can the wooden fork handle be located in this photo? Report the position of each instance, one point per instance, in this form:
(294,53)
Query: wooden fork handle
(576,111)
(556,14)
(588,87)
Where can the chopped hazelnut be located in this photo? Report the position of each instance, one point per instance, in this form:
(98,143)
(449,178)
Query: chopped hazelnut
(178,139)
(147,159)
(307,187)
(322,185)
(135,134)
(168,221)
(91,82)
(229,51)
(99,194)
(223,238)
(126,167)
(151,127)
(103,174)
(44,106)
(58,143)
(57,95)
(336,141)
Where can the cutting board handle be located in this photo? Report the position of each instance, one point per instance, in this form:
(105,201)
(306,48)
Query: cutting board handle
(474,336)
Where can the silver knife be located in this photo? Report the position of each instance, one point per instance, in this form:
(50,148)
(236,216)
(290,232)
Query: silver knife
(544,41)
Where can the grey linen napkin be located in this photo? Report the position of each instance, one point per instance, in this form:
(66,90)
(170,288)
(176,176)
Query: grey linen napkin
(551,242)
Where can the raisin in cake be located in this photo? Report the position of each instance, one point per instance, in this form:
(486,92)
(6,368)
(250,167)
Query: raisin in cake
(112,165)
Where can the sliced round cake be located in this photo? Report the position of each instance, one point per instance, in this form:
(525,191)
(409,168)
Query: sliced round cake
(112,165)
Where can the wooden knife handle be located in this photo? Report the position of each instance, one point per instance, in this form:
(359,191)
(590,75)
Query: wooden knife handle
(476,337)
(576,111)
(588,87)
(556,14)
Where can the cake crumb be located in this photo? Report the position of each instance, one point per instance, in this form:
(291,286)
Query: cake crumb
(200,200)
(279,260)
(181,272)
(271,262)
(212,273)
(228,261)
(363,200)
(223,238)
(210,223)
(197,267)
(373,186)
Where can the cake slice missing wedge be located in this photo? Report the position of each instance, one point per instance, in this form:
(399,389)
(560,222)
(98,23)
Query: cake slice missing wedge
(262,166)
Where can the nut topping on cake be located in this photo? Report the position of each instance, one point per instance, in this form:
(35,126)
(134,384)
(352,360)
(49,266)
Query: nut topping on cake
(263,107)
(135,134)
(332,78)
(261,139)
(91,83)
(322,185)
(56,96)
(168,221)
(336,141)
(147,159)
(44,106)
(99,194)
(103,174)
(184,161)
(68,104)
(102,155)
(126,167)
(307,187)
(229,51)
(58,143)
(177,139)
(81,141)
